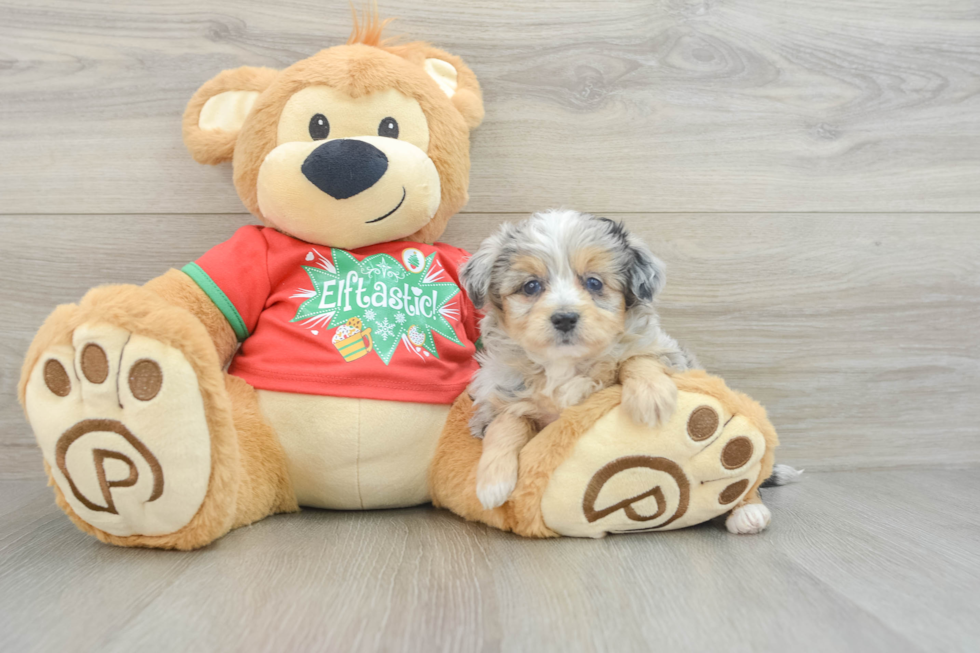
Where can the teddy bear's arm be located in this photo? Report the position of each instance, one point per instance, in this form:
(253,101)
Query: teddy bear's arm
(181,291)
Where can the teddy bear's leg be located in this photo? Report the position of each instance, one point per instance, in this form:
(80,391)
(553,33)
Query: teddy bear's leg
(145,440)
(264,486)
(596,471)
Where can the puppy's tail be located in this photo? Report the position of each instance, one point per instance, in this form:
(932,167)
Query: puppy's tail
(782,475)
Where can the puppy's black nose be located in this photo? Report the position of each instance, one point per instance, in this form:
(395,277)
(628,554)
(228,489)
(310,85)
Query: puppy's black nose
(564,322)
(343,167)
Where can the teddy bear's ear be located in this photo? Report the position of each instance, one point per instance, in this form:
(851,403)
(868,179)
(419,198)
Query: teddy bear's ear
(444,74)
(453,77)
(218,109)
(458,82)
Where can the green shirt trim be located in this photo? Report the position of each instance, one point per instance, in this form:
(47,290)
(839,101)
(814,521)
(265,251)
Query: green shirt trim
(220,299)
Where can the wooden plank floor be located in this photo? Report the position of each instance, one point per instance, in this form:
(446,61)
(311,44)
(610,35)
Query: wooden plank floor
(854,561)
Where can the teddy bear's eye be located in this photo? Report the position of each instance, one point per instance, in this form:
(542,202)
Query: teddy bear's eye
(388,127)
(319,127)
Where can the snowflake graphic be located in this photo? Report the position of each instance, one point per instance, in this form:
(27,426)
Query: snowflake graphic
(385,329)
(370,314)
(400,318)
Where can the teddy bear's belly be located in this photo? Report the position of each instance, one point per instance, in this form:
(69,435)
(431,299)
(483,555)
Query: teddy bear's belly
(351,454)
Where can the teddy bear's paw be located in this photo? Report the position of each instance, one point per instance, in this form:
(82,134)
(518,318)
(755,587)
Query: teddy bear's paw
(121,422)
(748,519)
(623,476)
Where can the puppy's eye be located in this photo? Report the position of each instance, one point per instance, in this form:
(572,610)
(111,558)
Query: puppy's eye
(532,287)
(319,127)
(388,127)
(593,284)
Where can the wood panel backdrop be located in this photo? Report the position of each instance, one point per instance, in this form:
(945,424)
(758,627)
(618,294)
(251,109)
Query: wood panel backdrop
(810,172)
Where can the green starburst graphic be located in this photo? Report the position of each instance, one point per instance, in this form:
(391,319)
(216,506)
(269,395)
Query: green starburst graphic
(393,303)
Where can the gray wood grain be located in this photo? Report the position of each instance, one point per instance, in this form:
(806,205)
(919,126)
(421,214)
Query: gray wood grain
(854,561)
(858,332)
(661,105)
(919,526)
(18,492)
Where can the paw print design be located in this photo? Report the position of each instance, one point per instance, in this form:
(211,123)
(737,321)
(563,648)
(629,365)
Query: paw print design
(630,477)
(121,422)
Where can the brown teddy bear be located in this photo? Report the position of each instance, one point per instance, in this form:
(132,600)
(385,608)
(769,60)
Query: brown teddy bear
(348,339)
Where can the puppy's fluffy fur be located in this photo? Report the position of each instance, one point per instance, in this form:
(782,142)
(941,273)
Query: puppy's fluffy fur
(568,303)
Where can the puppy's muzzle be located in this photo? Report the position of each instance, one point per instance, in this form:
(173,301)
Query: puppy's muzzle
(564,322)
(343,168)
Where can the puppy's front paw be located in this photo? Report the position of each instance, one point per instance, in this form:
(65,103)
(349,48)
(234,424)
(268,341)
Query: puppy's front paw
(495,480)
(748,519)
(650,400)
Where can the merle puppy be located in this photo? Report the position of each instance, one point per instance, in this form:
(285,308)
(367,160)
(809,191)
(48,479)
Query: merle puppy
(568,303)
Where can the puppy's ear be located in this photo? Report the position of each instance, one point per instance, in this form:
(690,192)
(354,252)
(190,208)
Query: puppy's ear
(218,109)
(645,274)
(477,273)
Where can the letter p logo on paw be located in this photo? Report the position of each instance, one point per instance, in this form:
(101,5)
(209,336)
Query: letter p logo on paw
(99,459)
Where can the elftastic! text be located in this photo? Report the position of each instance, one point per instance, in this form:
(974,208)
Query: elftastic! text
(403,300)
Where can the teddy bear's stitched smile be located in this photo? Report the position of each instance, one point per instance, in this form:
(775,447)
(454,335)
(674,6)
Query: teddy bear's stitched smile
(404,194)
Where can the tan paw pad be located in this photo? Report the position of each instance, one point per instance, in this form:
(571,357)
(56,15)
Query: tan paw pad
(121,423)
(621,476)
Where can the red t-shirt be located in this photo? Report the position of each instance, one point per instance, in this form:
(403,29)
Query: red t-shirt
(387,321)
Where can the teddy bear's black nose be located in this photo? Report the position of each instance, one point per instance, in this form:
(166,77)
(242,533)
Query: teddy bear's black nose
(344,167)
